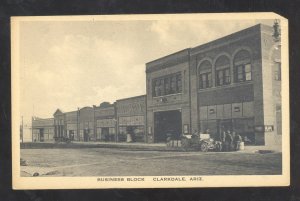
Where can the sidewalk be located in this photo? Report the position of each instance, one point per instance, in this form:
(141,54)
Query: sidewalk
(160,146)
(136,146)
(133,144)
(130,145)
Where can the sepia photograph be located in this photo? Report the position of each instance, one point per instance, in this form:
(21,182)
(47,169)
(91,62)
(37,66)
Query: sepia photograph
(150,101)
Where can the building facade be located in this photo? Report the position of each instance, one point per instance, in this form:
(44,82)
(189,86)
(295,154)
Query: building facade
(168,96)
(42,130)
(232,83)
(105,123)
(131,118)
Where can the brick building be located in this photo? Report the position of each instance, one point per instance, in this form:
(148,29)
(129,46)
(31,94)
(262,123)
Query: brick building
(168,96)
(232,83)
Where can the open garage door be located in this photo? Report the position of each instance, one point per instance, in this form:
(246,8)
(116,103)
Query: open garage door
(166,123)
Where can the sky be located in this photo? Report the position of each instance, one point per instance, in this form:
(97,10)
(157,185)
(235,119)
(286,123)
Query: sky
(71,64)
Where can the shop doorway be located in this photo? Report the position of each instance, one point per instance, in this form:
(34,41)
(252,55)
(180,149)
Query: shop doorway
(105,134)
(166,124)
(41,134)
(71,135)
(86,135)
(223,126)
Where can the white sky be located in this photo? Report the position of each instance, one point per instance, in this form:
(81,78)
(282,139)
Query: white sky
(70,64)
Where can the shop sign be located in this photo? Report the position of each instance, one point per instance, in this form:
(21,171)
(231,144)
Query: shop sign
(132,108)
(211,111)
(105,112)
(236,109)
(264,128)
(106,123)
(131,121)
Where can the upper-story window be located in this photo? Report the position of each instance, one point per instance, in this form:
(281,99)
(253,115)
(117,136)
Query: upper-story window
(205,75)
(170,84)
(277,71)
(242,66)
(178,83)
(222,71)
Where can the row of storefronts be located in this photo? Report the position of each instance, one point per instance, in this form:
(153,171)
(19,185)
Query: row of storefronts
(232,83)
(109,123)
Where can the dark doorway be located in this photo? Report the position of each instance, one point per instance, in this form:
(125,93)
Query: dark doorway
(105,133)
(42,135)
(167,124)
(71,135)
(223,126)
(86,135)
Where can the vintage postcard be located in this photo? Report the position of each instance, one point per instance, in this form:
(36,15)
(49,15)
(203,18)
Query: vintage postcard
(150,101)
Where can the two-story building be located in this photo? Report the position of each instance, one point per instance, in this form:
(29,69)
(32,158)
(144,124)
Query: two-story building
(232,83)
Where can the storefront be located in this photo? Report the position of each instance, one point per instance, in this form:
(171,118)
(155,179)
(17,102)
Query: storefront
(71,125)
(105,124)
(237,117)
(86,124)
(42,130)
(131,119)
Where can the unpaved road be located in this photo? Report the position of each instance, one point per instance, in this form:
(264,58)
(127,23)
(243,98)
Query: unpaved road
(118,162)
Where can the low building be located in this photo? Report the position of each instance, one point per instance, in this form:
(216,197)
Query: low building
(86,123)
(42,129)
(71,125)
(105,123)
(131,118)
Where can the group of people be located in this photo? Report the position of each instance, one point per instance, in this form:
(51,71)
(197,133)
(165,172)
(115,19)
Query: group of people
(230,141)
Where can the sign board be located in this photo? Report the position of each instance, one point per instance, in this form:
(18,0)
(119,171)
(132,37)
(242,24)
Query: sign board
(264,128)
(131,121)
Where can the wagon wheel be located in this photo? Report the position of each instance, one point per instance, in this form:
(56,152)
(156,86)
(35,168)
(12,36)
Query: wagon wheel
(204,147)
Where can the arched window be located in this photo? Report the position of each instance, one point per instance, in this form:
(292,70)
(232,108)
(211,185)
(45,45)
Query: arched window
(222,71)
(205,75)
(242,66)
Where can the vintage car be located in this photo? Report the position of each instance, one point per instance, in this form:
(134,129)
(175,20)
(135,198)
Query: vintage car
(199,141)
(63,139)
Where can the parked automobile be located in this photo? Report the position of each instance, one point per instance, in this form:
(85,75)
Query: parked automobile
(62,139)
(199,141)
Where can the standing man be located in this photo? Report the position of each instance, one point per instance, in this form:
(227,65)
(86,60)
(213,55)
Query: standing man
(236,141)
(222,138)
(228,141)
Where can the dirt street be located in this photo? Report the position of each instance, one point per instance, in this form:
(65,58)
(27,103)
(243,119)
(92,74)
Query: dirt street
(124,162)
